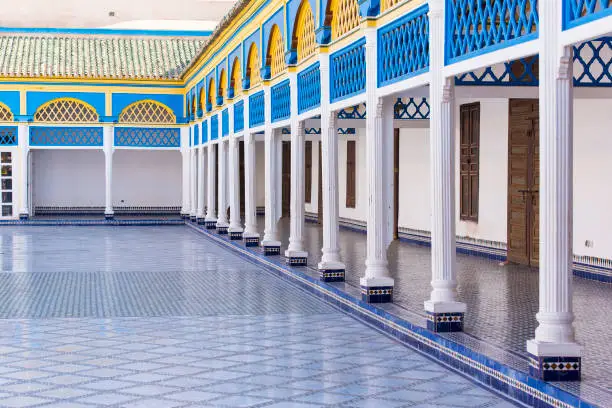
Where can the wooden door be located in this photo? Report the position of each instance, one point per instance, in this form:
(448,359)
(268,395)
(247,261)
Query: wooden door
(286,178)
(523,182)
(241,174)
(395,183)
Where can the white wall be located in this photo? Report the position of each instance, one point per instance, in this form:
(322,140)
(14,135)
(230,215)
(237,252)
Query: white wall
(146,178)
(360,212)
(260,165)
(68,178)
(414,194)
(313,206)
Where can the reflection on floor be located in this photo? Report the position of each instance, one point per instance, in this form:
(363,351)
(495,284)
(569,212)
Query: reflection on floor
(502,301)
(163,317)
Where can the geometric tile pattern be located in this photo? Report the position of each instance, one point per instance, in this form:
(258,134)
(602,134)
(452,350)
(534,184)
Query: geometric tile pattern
(309,88)
(493,23)
(147,112)
(348,70)
(5,113)
(149,137)
(68,110)
(281,101)
(256,109)
(8,135)
(403,47)
(577,12)
(65,136)
(278,346)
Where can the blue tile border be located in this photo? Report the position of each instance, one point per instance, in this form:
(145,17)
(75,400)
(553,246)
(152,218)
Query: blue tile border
(108,222)
(508,381)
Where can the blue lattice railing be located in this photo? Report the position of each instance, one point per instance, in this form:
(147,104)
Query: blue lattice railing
(478,27)
(65,136)
(256,109)
(522,72)
(8,135)
(309,88)
(150,137)
(225,122)
(214,127)
(403,47)
(592,63)
(196,135)
(204,132)
(280,97)
(239,116)
(576,12)
(411,109)
(354,112)
(348,71)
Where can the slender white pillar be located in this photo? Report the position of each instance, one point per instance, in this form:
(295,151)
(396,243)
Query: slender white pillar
(250,235)
(445,313)
(108,140)
(235,227)
(211,210)
(23,139)
(185,132)
(295,251)
(222,222)
(331,268)
(201,174)
(193,171)
(270,242)
(554,337)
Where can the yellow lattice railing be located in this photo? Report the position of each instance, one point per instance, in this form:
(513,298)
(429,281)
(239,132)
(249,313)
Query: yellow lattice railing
(387,4)
(212,92)
(236,82)
(5,113)
(148,111)
(253,65)
(222,84)
(305,32)
(345,16)
(276,52)
(67,110)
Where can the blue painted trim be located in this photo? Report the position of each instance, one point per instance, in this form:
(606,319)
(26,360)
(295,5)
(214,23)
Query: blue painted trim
(151,137)
(214,127)
(487,50)
(336,92)
(61,136)
(309,88)
(280,99)
(106,31)
(8,136)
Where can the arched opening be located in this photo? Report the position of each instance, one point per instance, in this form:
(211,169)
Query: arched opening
(66,110)
(222,84)
(212,92)
(253,66)
(342,16)
(276,52)
(304,41)
(235,82)
(148,112)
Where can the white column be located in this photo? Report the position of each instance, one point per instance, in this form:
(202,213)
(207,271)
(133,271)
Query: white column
(443,299)
(554,336)
(185,175)
(201,174)
(222,221)
(23,139)
(270,240)
(295,251)
(377,285)
(194,181)
(211,211)
(235,227)
(330,258)
(109,136)
(250,211)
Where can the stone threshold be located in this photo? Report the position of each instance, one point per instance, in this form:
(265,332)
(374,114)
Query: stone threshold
(509,381)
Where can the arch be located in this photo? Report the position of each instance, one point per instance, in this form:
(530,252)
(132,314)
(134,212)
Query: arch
(148,111)
(253,66)
(235,81)
(304,41)
(66,110)
(342,16)
(276,52)
(211,92)
(194,106)
(5,113)
(202,99)
(222,84)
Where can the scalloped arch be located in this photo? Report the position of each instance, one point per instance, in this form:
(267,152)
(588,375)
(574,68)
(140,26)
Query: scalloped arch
(303,39)
(253,66)
(6,115)
(342,16)
(66,110)
(276,52)
(235,81)
(148,111)
(212,92)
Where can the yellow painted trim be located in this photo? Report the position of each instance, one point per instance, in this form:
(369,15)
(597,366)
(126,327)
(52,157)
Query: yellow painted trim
(108,103)
(23,103)
(369,23)
(2,105)
(92,89)
(52,101)
(308,61)
(398,11)
(60,80)
(292,69)
(346,39)
(146,125)
(161,105)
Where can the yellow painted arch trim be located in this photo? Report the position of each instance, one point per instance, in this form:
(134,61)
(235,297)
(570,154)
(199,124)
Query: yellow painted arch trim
(67,99)
(10,112)
(147,101)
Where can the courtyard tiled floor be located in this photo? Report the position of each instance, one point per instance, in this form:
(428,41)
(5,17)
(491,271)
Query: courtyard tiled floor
(163,317)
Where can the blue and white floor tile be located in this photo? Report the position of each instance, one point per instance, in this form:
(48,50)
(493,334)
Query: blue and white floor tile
(161,317)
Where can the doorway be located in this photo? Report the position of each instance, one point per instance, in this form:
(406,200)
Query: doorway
(286,178)
(524,182)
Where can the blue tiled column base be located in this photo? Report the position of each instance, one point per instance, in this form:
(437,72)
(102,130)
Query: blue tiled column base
(210,224)
(235,235)
(297,261)
(331,275)
(381,294)
(24,216)
(109,217)
(271,250)
(200,221)
(555,368)
(185,216)
(251,242)
(193,218)
(445,322)
(222,230)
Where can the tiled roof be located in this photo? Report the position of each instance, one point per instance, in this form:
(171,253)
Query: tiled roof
(96,57)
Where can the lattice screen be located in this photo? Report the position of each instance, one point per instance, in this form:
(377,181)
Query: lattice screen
(66,111)
(5,114)
(253,66)
(202,100)
(236,83)
(222,83)
(345,17)
(305,32)
(276,52)
(147,112)
(387,4)
(212,92)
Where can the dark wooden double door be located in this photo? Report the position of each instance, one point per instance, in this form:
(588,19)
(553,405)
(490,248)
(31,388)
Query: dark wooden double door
(524,182)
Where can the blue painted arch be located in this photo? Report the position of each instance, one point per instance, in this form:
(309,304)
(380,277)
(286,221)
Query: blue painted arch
(11,100)
(122,100)
(35,99)
(276,19)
